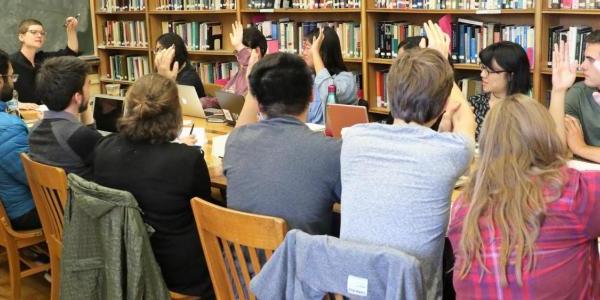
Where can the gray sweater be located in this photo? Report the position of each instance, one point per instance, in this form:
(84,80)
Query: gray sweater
(308,267)
(397,184)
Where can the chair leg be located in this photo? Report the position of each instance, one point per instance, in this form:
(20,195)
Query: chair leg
(14,269)
(55,274)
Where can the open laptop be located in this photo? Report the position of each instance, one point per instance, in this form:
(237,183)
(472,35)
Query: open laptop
(340,116)
(107,111)
(190,103)
(231,104)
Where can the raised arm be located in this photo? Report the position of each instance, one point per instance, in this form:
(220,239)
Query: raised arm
(563,77)
(250,110)
(72,41)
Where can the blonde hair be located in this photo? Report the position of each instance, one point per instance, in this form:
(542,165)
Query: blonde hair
(521,154)
(153,110)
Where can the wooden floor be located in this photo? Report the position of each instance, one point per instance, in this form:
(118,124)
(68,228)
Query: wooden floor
(33,288)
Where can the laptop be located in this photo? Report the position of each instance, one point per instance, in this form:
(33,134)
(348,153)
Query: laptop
(231,104)
(190,103)
(340,116)
(107,111)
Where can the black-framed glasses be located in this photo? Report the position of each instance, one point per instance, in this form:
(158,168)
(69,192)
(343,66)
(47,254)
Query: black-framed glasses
(485,69)
(13,77)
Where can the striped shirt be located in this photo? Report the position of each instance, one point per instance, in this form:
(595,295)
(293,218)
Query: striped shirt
(566,251)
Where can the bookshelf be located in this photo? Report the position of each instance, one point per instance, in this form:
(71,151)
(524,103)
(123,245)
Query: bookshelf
(539,14)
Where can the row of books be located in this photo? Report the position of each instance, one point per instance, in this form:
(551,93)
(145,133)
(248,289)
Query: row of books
(128,67)
(122,5)
(197,35)
(574,36)
(574,4)
(125,34)
(219,72)
(456,4)
(469,37)
(303,4)
(288,36)
(195,4)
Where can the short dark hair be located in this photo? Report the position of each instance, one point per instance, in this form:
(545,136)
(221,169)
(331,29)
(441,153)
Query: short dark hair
(4,62)
(170,38)
(412,42)
(331,51)
(419,84)
(253,38)
(59,79)
(282,84)
(593,38)
(153,111)
(513,59)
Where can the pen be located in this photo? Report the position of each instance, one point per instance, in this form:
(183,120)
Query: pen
(192,130)
(76,17)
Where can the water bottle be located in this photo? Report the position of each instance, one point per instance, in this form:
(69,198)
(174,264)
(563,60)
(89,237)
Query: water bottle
(12,106)
(330,100)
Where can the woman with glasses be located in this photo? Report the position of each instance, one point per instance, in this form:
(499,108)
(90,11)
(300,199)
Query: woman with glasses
(186,75)
(504,72)
(28,59)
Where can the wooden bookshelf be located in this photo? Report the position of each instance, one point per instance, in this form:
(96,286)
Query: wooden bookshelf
(541,17)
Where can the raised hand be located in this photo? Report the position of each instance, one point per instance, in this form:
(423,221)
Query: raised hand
(317,42)
(71,23)
(564,71)
(237,36)
(438,40)
(163,61)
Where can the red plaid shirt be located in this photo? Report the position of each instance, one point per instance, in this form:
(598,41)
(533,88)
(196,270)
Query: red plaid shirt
(567,265)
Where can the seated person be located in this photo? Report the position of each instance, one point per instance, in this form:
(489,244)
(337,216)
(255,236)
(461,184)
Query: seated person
(28,60)
(163,177)
(186,75)
(397,179)
(242,40)
(14,188)
(60,139)
(278,166)
(324,57)
(583,105)
(526,225)
(504,71)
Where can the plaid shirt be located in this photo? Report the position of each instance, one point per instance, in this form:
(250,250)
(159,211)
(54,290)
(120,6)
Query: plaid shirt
(566,251)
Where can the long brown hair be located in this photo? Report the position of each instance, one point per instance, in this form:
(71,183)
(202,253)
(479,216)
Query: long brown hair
(153,110)
(521,154)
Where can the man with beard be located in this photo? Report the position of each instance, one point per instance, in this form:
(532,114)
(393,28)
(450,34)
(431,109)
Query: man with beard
(60,139)
(14,190)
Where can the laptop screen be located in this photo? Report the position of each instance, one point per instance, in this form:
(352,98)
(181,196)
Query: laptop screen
(107,111)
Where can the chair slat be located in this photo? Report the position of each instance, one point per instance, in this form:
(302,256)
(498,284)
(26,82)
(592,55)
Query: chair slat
(232,269)
(254,260)
(243,265)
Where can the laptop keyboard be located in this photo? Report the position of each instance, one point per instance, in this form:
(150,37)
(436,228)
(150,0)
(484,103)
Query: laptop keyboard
(212,111)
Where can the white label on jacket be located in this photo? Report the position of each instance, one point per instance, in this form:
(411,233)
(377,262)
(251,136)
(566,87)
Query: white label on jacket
(357,285)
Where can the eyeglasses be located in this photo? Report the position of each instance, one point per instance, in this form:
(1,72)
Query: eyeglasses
(488,71)
(13,77)
(158,49)
(36,32)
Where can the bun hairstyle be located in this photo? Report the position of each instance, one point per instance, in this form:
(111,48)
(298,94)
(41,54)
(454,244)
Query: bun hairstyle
(153,111)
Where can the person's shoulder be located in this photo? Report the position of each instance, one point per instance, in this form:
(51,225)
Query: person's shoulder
(10,120)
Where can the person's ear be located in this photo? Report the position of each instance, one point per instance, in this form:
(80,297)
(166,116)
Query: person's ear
(21,37)
(312,97)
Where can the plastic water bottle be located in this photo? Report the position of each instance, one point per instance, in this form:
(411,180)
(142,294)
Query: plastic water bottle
(12,106)
(330,100)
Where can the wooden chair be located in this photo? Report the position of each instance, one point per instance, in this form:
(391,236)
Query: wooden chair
(340,116)
(13,241)
(49,189)
(221,229)
(210,88)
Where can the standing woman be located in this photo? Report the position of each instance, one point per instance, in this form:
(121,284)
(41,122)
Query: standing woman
(28,60)
(186,75)
(324,56)
(504,72)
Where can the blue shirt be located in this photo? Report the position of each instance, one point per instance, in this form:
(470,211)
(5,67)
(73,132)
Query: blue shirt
(345,93)
(14,188)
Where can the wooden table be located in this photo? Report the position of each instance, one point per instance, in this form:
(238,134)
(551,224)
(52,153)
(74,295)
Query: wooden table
(215,166)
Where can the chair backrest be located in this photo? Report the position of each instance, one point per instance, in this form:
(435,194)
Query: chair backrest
(222,229)
(211,88)
(49,190)
(341,115)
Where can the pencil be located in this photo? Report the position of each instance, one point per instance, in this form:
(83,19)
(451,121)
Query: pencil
(192,130)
